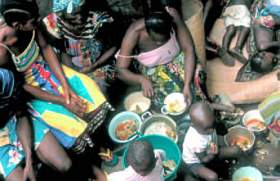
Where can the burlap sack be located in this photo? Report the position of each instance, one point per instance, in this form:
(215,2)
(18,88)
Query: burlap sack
(192,11)
(221,79)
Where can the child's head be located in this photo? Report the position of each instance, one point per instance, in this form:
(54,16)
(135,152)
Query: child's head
(158,25)
(141,157)
(20,14)
(202,117)
(263,62)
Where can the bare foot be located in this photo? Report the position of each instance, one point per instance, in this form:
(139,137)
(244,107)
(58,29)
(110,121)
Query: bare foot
(237,53)
(227,59)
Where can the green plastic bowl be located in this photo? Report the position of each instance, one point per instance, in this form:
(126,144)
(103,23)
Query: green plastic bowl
(247,172)
(161,142)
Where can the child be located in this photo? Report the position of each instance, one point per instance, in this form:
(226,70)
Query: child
(144,164)
(200,143)
(236,16)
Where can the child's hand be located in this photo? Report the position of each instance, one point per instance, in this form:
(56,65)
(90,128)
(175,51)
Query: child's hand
(213,149)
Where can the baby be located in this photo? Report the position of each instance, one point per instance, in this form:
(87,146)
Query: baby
(236,17)
(144,164)
(200,143)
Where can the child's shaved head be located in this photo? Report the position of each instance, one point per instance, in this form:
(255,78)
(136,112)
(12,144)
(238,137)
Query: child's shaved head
(141,157)
(202,116)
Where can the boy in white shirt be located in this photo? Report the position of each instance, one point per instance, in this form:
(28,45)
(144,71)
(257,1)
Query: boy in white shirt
(200,143)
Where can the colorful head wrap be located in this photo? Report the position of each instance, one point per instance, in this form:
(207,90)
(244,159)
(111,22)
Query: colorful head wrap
(66,5)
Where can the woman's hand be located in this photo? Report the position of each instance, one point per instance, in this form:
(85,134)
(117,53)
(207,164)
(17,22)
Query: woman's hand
(74,103)
(28,172)
(187,94)
(147,87)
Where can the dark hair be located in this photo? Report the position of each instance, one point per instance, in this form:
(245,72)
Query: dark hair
(140,152)
(159,22)
(18,10)
(258,63)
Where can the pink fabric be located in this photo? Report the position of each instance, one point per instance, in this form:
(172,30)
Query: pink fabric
(159,56)
(130,175)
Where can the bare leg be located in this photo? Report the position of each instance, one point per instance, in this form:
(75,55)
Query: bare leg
(16,175)
(237,51)
(230,32)
(223,52)
(206,174)
(52,154)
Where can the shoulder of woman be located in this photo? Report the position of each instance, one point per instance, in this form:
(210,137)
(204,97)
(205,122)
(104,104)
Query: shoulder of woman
(137,26)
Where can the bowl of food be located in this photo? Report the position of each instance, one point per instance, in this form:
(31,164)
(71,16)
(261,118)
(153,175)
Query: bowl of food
(247,174)
(160,124)
(124,127)
(241,137)
(174,104)
(172,152)
(254,121)
(137,102)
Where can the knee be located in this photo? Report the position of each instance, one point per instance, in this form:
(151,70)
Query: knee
(212,177)
(64,166)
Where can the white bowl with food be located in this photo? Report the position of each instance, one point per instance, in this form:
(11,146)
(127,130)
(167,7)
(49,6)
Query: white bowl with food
(174,104)
(137,102)
(254,121)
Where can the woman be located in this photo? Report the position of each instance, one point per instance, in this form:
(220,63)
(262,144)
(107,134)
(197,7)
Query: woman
(84,46)
(166,55)
(16,135)
(70,103)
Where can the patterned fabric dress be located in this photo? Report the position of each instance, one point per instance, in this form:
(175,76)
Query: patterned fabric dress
(83,46)
(65,125)
(11,151)
(168,78)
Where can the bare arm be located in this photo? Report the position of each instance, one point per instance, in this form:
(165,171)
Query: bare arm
(52,59)
(102,60)
(43,95)
(186,44)
(128,44)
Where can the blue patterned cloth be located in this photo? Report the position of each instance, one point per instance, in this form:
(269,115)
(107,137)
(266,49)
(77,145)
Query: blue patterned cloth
(11,151)
(65,5)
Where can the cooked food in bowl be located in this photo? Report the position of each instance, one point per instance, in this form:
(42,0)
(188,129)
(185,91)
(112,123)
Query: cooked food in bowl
(247,179)
(255,125)
(175,106)
(168,167)
(137,102)
(241,141)
(175,103)
(161,128)
(126,129)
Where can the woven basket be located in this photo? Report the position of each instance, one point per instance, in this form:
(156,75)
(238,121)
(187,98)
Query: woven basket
(193,16)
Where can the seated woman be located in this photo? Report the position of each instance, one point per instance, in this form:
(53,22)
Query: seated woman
(17,141)
(166,55)
(85,47)
(71,104)
(264,44)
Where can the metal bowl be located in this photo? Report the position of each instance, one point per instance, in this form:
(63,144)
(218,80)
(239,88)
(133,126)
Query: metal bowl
(236,132)
(159,118)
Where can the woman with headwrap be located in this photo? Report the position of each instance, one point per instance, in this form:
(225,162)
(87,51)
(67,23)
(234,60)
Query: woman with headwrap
(71,104)
(85,48)
(16,136)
